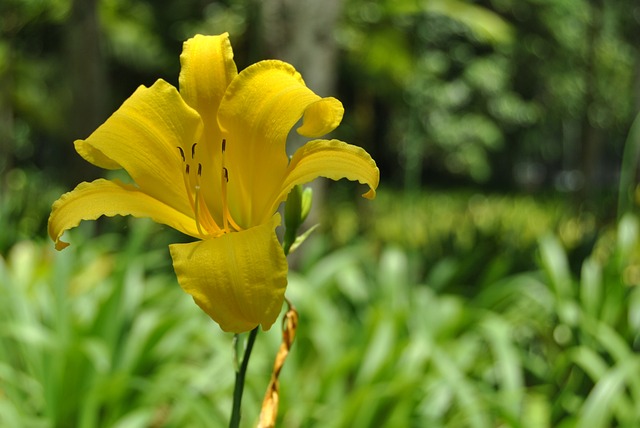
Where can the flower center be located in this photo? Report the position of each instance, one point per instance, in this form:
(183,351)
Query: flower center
(205,222)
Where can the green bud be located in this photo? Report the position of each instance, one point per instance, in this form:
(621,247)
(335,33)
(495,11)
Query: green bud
(296,210)
(307,199)
(293,209)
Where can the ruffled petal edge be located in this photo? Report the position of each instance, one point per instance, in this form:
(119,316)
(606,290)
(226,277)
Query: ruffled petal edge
(89,201)
(331,159)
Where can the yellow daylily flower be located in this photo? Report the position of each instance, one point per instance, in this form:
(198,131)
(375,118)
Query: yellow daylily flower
(210,162)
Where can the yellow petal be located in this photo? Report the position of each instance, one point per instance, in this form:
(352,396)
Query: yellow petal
(88,201)
(143,137)
(321,117)
(256,114)
(238,279)
(207,68)
(331,159)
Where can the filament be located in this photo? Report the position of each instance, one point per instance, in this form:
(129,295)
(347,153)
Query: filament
(197,211)
(225,209)
(224,180)
(205,223)
(207,218)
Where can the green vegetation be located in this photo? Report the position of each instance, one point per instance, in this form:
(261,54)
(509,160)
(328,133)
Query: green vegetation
(101,335)
(493,282)
(88,339)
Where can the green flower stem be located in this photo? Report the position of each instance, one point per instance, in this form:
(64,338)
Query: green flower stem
(241,371)
(240,375)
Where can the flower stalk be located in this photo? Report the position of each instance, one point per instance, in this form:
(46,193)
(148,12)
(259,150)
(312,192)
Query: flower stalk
(296,211)
(241,372)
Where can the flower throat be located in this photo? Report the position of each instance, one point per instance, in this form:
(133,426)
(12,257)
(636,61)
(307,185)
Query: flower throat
(205,223)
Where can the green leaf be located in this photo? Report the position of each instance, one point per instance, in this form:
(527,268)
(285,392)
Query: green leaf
(591,287)
(556,266)
(607,397)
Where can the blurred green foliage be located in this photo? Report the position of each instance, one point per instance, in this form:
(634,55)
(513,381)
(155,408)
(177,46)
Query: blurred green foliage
(462,240)
(25,205)
(507,93)
(537,349)
(87,338)
(101,335)
(473,307)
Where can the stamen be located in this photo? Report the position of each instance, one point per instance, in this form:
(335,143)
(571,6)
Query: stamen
(194,204)
(197,209)
(197,189)
(205,216)
(205,223)
(225,210)
(223,187)
(230,220)
(226,214)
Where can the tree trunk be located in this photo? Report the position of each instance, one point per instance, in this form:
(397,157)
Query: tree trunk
(590,135)
(87,75)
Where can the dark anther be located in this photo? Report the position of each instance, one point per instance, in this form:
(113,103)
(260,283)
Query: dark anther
(199,169)
(226,174)
(224,145)
(182,154)
(187,169)
(193,150)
